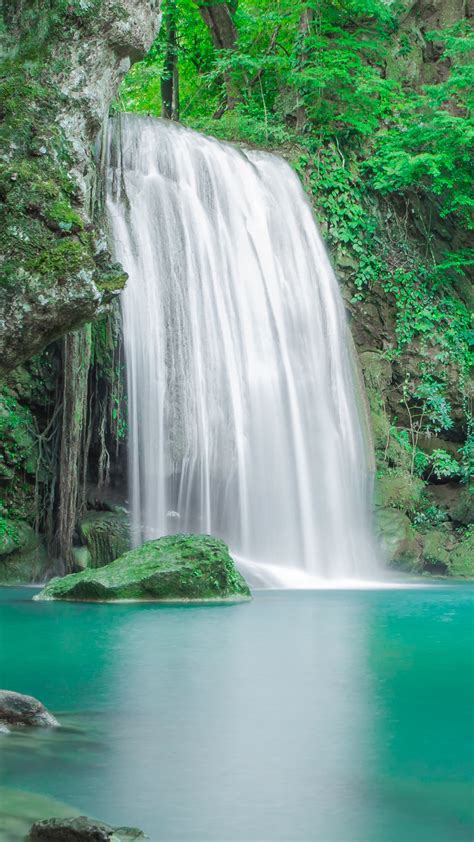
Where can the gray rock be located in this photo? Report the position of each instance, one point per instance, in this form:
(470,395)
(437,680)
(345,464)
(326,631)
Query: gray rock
(81,829)
(24,711)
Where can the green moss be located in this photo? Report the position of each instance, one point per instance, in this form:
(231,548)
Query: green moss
(177,567)
(40,215)
(60,212)
(65,258)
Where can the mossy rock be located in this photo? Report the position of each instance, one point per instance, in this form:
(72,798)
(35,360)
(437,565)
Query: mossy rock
(23,557)
(400,542)
(461,559)
(436,548)
(398,489)
(106,536)
(174,568)
(377,370)
(463,512)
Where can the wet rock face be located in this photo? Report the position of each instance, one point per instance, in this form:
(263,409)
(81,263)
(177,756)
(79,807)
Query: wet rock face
(24,711)
(81,829)
(63,64)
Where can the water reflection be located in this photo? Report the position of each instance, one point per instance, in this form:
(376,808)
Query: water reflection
(331,716)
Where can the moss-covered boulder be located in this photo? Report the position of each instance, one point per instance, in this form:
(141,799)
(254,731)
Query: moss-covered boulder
(399,540)
(437,545)
(106,535)
(399,489)
(23,556)
(461,559)
(173,568)
(463,511)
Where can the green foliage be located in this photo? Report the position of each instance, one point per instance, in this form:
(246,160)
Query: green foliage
(443,465)
(328,84)
(8,532)
(467,456)
(430,516)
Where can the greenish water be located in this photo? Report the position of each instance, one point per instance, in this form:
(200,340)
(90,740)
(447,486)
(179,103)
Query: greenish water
(334,716)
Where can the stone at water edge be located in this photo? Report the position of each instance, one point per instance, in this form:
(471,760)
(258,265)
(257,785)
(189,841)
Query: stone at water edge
(81,829)
(173,568)
(24,711)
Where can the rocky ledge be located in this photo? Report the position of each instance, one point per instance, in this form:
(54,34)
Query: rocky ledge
(176,568)
(24,711)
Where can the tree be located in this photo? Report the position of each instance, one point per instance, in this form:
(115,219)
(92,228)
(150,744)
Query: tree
(219,20)
(170,75)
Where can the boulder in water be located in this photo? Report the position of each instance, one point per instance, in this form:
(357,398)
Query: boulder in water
(176,568)
(24,711)
(81,829)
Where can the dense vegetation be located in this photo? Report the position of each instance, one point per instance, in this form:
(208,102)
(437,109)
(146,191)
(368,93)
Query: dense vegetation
(371,102)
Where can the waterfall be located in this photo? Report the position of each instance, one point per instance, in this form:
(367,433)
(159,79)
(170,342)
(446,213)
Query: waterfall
(243,418)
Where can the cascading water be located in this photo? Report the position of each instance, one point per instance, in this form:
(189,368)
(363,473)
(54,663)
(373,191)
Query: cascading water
(243,417)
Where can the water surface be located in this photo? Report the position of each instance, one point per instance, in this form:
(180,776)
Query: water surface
(335,716)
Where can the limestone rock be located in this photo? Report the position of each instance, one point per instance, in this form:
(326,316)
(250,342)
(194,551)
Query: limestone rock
(173,568)
(62,65)
(24,711)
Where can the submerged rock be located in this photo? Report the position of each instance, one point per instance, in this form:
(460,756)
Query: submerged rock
(81,829)
(173,568)
(19,810)
(24,711)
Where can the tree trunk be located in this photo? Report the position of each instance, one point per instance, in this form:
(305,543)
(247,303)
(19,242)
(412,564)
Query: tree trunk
(306,20)
(76,363)
(218,18)
(170,79)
